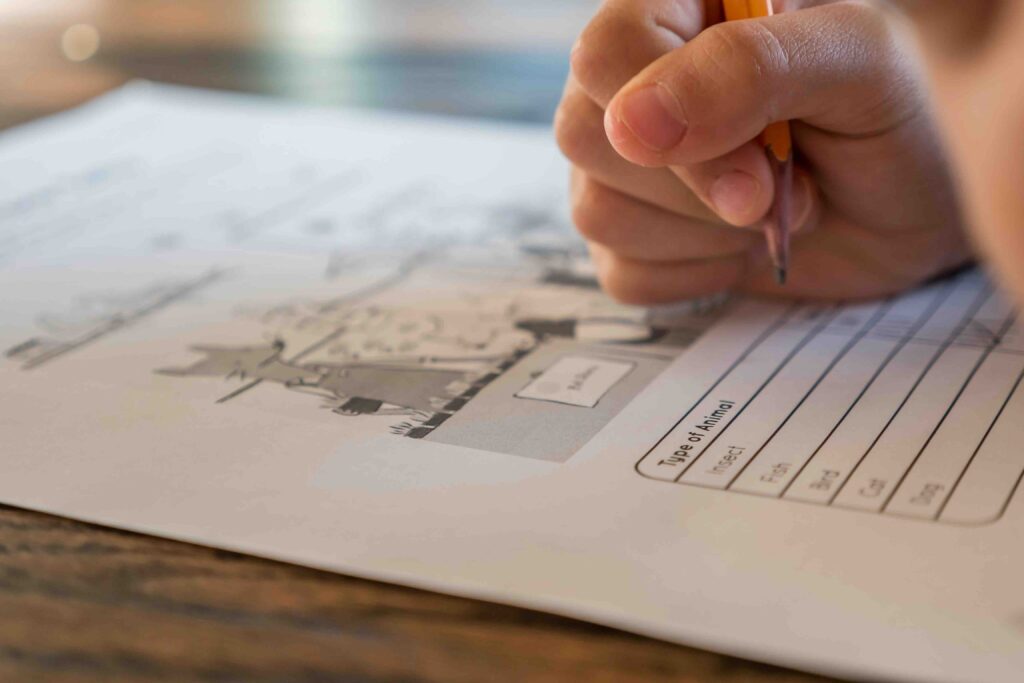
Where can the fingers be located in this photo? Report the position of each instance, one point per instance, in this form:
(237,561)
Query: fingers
(850,261)
(738,187)
(624,37)
(627,35)
(639,282)
(580,134)
(646,255)
(836,67)
(635,230)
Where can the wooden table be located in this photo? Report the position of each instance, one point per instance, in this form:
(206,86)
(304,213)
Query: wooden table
(84,603)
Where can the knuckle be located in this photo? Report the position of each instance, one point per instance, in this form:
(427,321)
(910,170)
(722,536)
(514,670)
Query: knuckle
(598,47)
(588,61)
(743,56)
(574,129)
(760,48)
(625,285)
(897,93)
(866,14)
(742,60)
(592,212)
(621,280)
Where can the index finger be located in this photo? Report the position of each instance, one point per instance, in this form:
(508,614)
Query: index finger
(625,36)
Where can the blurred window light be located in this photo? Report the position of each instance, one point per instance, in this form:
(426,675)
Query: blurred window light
(340,26)
(46,9)
(315,26)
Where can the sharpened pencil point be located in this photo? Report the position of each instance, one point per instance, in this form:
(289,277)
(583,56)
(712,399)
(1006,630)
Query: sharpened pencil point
(780,275)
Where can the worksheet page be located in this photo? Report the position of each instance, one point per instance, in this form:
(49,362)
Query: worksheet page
(371,343)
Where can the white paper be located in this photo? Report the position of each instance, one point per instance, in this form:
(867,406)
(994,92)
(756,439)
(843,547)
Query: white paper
(371,343)
(576,380)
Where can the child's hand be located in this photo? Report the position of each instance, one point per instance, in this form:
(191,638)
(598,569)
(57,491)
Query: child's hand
(669,184)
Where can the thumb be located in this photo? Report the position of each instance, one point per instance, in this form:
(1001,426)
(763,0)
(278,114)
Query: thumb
(838,67)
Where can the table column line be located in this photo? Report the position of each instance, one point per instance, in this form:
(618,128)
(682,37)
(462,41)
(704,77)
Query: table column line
(975,305)
(1013,494)
(901,344)
(828,369)
(981,444)
(767,332)
(942,420)
(830,316)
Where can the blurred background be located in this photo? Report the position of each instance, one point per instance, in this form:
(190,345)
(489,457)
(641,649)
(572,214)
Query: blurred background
(504,59)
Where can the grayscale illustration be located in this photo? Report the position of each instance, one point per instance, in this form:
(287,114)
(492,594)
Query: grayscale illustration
(349,389)
(472,323)
(95,316)
(517,358)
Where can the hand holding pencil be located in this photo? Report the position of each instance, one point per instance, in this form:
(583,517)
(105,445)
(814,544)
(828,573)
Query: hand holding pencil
(778,142)
(664,118)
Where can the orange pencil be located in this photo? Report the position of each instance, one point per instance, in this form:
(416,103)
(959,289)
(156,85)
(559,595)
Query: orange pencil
(778,143)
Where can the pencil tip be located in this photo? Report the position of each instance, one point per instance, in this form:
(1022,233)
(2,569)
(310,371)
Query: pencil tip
(780,275)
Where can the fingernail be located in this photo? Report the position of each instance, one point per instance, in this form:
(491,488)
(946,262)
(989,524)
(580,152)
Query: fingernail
(733,195)
(653,115)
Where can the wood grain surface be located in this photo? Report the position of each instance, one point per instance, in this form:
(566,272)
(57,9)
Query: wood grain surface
(83,603)
(87,604)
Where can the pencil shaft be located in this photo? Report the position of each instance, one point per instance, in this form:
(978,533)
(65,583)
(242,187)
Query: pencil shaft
(777,226)
(778,142)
